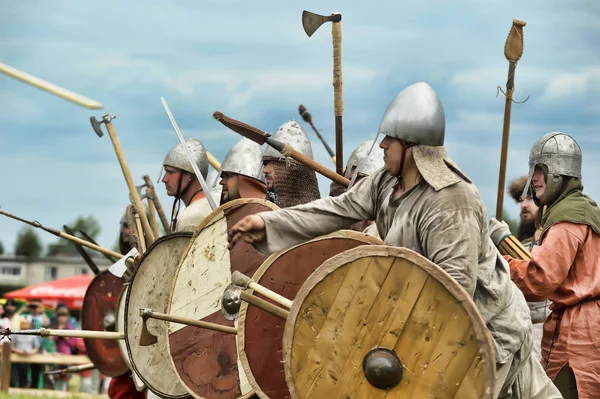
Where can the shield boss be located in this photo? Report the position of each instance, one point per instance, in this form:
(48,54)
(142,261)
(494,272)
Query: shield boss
(150,286)
(261,333)
(98,313)
(381,321)
(206,361)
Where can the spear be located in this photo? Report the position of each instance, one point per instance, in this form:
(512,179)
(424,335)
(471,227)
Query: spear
(48,332)
(69,237)
(513,50)
(72,369)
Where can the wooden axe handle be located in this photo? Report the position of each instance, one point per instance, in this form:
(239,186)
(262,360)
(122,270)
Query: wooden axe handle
(264,305)
(213,161)
(338,103)
(137,202)
(152,211)
(159,209)
(288,151)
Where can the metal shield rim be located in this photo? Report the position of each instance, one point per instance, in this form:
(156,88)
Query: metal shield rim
(205,223)
(154,245)
(349,234)
(332,264)
(86,340)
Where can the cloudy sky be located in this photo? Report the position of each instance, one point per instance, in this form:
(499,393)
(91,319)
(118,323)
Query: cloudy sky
(253,61)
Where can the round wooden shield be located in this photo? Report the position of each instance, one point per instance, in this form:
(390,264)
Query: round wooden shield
(98,313)
(206,361)
(260,333)
(149,287)
(139,385)
(380,321)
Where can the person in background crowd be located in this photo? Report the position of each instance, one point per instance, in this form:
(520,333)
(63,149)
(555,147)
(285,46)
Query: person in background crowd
(4,322)
(10,312)
(65,345)
(25,345)
(38,320)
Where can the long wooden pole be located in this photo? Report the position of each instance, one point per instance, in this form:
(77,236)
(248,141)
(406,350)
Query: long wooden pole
(513,50)
(48,332)
(66,236)
(158,205)
(137,202)
(50,87)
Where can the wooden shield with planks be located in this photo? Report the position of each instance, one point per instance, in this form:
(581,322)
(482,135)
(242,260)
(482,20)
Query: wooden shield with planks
(149,287)
(260,333)
(206,361)
(139,384)
(380,321)
(98,313)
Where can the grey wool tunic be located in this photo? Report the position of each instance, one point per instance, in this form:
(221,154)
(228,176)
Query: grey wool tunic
(447,226)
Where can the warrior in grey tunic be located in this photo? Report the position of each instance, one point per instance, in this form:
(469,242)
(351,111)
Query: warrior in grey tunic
(441,217)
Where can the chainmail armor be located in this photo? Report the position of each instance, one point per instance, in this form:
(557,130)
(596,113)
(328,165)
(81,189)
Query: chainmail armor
(294,184)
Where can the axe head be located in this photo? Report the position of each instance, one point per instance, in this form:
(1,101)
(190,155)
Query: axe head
(311,21)
(96,124)
(119,268)
(146,337)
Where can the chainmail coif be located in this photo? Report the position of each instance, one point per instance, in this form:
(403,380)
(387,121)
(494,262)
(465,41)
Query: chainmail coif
(294,184)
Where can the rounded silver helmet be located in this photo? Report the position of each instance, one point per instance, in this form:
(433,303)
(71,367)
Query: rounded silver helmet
(245,158)
(290,133)
(560,156)
(177,157)
(370,164)
(415,116)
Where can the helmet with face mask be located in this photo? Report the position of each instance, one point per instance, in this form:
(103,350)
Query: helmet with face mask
(558,155)
(294,183)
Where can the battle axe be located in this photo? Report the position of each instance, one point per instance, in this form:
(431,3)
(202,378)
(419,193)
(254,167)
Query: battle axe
(260,137)
(137,202)
(311,22)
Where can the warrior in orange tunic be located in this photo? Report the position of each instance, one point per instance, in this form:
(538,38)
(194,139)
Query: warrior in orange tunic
(565,267)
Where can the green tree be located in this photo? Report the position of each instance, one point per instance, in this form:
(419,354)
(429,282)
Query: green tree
(28,243)
(1,248)
(63,247)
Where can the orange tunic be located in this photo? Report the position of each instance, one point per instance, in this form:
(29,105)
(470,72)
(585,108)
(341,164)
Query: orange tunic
(565,268)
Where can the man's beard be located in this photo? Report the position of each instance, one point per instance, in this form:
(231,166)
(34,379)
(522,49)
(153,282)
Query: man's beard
(526,229)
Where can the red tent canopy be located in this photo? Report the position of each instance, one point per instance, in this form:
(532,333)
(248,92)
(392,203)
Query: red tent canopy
(69,291)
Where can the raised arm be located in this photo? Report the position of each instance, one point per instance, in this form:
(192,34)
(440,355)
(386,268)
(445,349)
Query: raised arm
(282,229)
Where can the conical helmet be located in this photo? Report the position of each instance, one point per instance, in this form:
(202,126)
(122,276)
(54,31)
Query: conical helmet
(369,164)
(177,157)
(290,133)
(415,116)
(561,155)
(245,158)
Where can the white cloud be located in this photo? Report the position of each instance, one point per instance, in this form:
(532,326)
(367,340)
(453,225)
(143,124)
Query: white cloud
(566,85)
